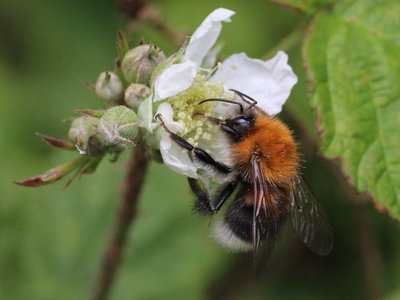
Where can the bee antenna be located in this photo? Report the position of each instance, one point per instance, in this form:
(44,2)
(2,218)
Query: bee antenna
(245,98)
(223,100)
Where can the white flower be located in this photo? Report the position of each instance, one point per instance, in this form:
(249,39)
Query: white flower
(206,35)
(171,153)
(269,82)
(181,86)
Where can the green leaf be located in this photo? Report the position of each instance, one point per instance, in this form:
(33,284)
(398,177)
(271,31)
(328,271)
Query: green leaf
(352,58)
(306,6)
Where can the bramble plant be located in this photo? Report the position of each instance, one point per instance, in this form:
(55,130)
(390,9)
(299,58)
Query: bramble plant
(145,83)
(351,56)
(354,93)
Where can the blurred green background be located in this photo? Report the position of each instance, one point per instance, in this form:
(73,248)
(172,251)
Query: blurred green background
(51,239)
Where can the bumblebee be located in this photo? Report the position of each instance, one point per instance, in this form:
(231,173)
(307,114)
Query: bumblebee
(263,164)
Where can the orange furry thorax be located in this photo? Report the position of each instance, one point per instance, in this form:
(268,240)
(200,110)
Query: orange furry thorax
(276,148)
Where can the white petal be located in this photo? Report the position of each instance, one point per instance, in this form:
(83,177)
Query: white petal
(173,156)
(269,82)
(174,80)
(206,34)
(167,115)
(176,158)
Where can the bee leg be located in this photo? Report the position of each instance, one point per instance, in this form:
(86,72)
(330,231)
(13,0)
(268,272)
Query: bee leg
(220,123)
(224,194)
(213,120)
(203,204)
(200,154)
(244,97)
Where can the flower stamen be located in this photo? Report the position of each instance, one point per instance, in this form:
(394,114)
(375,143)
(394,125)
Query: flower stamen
(186,105)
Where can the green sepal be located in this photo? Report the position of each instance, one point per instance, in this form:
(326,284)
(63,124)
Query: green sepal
(55,173)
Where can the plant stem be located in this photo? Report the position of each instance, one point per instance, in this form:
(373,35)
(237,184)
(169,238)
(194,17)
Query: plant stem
(123,219)
(152,15)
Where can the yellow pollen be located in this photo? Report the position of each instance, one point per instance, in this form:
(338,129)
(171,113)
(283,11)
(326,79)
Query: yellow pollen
(186,104)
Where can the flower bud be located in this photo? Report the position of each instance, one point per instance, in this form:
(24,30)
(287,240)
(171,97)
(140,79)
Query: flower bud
(118,128)
(135,94)
(94,146)
(82,128)
(109,87)
(81,132)
(139,63)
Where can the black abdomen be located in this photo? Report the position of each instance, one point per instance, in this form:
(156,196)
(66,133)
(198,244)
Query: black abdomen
(239,218)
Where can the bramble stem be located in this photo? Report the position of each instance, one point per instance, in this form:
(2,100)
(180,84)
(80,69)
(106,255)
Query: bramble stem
(153,16)
(150,14)
(125,215)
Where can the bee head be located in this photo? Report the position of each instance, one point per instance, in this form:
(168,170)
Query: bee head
(243,119)
(242,124)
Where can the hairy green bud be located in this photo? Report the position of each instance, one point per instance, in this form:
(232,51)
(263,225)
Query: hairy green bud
(135,94)
(109,87)
(139,63)
(118,128)
(81,130)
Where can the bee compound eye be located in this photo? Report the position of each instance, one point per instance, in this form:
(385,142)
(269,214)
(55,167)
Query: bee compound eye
(241,123)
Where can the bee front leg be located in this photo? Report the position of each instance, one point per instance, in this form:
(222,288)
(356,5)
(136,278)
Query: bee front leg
(199,153)
(221,124)
(213,120)
(203,205)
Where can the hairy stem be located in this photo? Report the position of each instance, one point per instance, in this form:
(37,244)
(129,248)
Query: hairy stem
(152,15)
(123,219)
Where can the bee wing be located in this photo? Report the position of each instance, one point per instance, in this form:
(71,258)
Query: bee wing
(308,219)
(260,211)
(258,192)
(259,186)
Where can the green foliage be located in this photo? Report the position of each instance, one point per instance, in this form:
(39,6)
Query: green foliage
(307,6)
(353,62)
(52,239)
